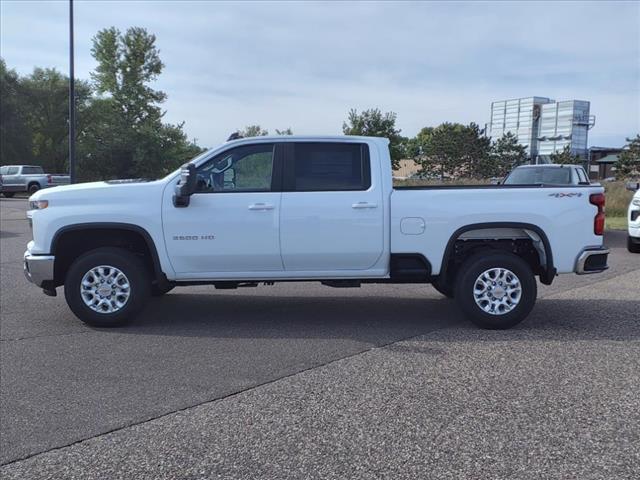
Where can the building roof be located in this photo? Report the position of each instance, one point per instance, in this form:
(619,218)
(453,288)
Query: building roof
(606,149)
(611,158)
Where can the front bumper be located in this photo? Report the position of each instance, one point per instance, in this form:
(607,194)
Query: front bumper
(592,260)
(38,268)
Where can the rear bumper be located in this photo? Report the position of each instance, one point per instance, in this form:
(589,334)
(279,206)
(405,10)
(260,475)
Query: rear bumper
(592,260)
(38,268)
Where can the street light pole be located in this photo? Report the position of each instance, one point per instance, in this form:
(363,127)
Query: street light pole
(72,102)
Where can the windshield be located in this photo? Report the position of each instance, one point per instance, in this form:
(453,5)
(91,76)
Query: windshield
(535,175)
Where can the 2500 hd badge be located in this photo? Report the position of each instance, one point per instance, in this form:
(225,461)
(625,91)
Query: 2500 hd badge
(194,237)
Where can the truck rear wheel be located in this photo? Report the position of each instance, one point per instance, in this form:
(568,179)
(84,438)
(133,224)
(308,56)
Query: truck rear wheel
(496,290)
(107,287)
(33,188)
(632,245)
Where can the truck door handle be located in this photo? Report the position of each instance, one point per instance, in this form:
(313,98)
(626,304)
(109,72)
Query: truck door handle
(260,206)
(364,205)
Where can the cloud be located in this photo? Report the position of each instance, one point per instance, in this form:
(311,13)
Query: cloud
(304,65)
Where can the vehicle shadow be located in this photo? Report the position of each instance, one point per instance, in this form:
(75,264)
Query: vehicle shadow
(367,318)
(262,316)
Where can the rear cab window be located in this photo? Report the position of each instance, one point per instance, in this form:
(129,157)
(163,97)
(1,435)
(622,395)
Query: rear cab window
(32,170)
(327,167)
(537,175)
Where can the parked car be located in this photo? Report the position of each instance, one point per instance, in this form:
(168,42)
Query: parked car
(633,218)
(28,178)
(269,209)
(548,174)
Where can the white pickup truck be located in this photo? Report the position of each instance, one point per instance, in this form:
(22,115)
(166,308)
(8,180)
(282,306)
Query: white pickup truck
(308,209)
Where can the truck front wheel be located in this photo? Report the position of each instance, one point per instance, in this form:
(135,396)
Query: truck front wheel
(496,290)
(107,287)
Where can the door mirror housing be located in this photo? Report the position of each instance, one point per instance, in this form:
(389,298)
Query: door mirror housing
(186,186)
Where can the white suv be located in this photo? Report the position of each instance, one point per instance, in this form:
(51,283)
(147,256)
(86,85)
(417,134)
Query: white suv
(633,216)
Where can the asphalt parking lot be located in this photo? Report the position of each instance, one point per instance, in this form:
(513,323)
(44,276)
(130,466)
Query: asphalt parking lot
(303,381)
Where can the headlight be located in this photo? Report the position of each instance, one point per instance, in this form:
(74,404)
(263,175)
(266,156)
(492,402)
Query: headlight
(38,204)
(636,202)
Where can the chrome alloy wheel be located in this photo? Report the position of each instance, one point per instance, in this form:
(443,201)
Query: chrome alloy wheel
(497,291)
(105,289)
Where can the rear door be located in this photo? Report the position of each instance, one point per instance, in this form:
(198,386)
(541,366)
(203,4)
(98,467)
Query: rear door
(332,208)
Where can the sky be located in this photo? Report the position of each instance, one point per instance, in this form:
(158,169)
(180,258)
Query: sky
(304,65)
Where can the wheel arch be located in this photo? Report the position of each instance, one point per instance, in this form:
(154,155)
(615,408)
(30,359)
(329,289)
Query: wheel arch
(106,232)
(542,245)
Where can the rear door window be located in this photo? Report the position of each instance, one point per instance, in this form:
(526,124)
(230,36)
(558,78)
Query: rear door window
(328,167)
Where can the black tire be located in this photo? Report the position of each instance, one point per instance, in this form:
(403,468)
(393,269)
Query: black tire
(470,272)
(445,289)
(33,188)
(157,291)
(8,194)
(127,263)
(632,246)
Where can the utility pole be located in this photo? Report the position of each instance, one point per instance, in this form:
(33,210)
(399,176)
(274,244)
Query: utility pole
(72,102)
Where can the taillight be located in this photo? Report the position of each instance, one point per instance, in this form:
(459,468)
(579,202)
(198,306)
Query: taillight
(597,199)
(49,179)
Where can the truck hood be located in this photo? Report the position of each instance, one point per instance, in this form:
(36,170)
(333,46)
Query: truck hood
(94,191)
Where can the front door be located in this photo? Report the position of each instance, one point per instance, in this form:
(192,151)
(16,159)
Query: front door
(231,226)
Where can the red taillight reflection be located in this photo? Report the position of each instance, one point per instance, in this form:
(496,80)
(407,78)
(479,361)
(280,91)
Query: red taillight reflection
(598,200)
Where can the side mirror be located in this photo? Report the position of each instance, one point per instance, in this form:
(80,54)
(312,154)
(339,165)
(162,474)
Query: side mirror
(186,186)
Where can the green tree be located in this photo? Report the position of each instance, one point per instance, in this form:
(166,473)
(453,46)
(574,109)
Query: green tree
(253,131)
(45,98)
(125,136)
(506,154)
(126,65)
(565,157)
(15,135)
(374,123)
(286,131)
(452,150)
(628,164)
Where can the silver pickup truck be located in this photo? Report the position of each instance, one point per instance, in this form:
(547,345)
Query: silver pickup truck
(27,178)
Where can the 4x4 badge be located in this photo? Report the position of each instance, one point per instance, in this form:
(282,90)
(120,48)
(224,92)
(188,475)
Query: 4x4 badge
(561,195)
